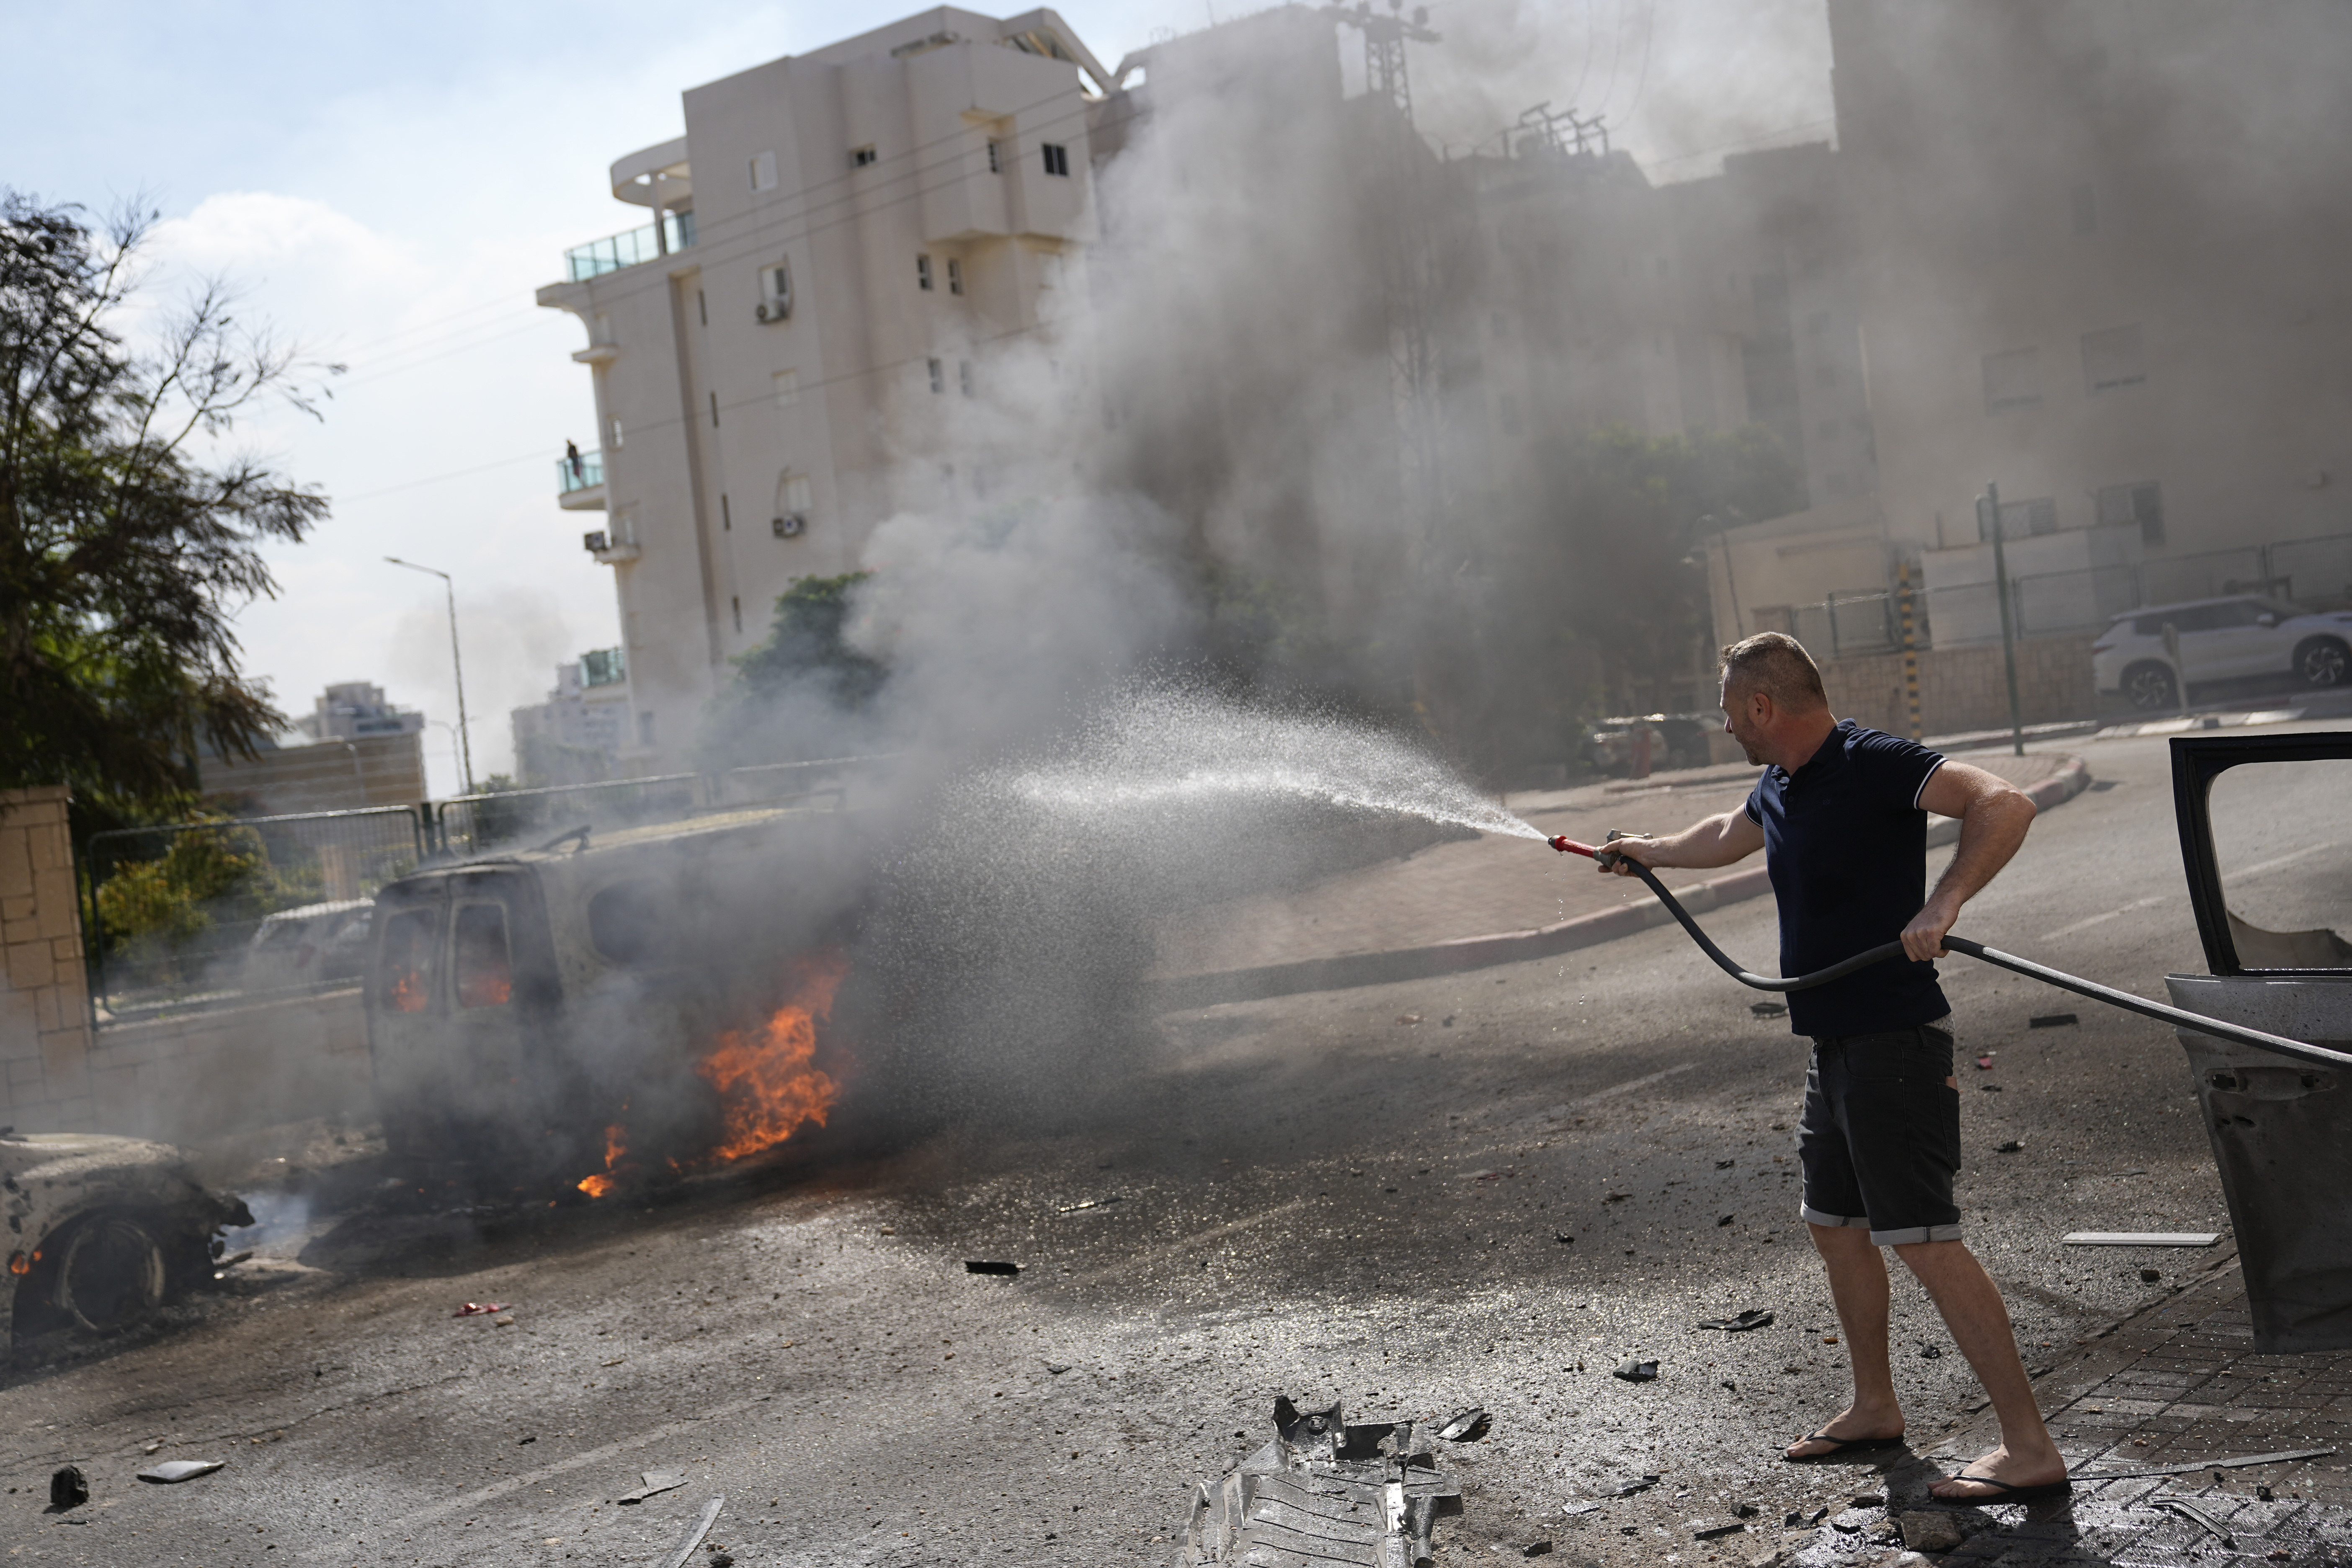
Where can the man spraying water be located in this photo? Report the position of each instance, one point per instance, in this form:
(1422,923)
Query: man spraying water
(1842,814)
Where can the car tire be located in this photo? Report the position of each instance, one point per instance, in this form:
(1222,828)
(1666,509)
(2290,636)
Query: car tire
(2323,662)
(110,1273)
(2150,688)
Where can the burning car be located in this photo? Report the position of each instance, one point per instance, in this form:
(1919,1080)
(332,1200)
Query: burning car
(647,997)
(102,1230)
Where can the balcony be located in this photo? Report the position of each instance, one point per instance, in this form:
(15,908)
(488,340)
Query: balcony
(628,247)
(580,482)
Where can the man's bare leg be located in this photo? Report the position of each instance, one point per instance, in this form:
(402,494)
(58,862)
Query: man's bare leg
(1858,1285)
(1972,1309)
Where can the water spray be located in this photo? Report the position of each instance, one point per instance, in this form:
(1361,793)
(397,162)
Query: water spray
(1610,860)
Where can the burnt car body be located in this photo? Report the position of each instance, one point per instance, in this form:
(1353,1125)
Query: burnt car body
(519,1003)
(2280,1130)
(101,1230)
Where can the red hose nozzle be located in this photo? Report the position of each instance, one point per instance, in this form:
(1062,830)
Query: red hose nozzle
(1568,846)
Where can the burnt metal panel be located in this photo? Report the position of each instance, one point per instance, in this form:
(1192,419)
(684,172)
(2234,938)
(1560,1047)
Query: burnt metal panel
(2196,762)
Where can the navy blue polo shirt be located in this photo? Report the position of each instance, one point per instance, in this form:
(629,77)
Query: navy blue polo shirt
(1845,842)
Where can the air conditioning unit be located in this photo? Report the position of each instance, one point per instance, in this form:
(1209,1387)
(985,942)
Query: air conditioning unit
(772,311)
(792,525)
(595,541)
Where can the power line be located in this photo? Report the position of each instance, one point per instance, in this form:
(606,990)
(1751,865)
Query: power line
(1649,37)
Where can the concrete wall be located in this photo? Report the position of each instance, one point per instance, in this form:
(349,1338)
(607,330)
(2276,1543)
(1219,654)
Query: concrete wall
(44,994)
(1963,689)
(196,1075)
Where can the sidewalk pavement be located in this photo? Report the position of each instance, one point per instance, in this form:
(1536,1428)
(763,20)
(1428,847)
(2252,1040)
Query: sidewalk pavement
(1469,903)
(2176,1386)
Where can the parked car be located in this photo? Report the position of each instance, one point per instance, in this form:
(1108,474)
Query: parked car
(315,945)
(101,1230)
(2240,637)
(1674,741)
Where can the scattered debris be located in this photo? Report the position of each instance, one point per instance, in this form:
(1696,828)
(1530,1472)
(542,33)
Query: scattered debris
(1537,1549)
(1636,1371)
(1467,1428)
(1563,1237)
(2052,1021)
(155,1448)
(2010,1147)
(656,1482)
(1089,1204)
(171,1470)
(1870,1499)
(1754,1318)
(2151,1276)
(1447,1022)
(1931,1530)
(2140,1237)
(2195,1515)
(1724,1220)
(1769,1009)
(503,1320)
(1989,1087)
(1930,1350)
(1984,1062)
(1716,1532)
(532,1439)
(1408,1019)
(245,1256)
(1578,1507)
(1724,1164)
(2261,1492)
(985,1266)
(1638,1484)
(1746,1511)
(479,1309)
(1614,1197)
(1323,1491)
(2243,1462)
(693,1534)
(1057,1367)
(1491,1175)
(69,1489)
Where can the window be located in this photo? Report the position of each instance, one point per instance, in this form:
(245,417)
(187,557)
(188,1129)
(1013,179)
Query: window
(2121,505)
(939,376)
(776,284)
(763,172)
(788,387)
(859,157)
(2112,359)
(995,156)
(923,273)
(2021,519)
(793,493)
(955,275)
(963,376)
(405,971)
(615,442)
(630,923)
(484,969)
(736,603)
(2012,379)
(1057,159)
(2085,202)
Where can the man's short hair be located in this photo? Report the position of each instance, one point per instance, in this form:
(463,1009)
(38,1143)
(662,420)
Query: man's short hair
(1777,665)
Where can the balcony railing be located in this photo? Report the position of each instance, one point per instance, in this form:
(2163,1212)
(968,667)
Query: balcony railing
(627,249)
(584,472)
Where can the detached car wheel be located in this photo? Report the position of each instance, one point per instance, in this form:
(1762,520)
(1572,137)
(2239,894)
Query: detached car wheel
(2150,688)
(111,1274)
(2323,661)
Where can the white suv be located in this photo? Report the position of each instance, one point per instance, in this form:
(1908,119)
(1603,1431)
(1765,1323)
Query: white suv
(2220,640)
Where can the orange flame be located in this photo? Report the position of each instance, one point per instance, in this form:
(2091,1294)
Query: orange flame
(408,993)
(616,1146)
(767,1079)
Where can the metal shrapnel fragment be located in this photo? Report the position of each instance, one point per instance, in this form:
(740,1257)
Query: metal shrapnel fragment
(1633,1371)
(1467,1428)
(656,1482)
(1754,1318)
(1322,1492)
(990,1265)
(171,1470)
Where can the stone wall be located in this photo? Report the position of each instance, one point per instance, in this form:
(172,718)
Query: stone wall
(1965,689)
(44,1026)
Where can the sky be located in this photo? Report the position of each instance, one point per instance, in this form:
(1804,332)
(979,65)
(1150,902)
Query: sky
(388,188)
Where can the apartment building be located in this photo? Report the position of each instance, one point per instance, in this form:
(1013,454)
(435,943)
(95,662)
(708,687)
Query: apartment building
(844,248)
(356,709)
(580,732)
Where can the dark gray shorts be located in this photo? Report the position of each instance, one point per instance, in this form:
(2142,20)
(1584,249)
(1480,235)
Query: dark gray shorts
(1880,1139)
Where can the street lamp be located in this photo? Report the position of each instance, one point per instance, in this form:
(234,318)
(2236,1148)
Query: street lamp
(465,741)
(445,724)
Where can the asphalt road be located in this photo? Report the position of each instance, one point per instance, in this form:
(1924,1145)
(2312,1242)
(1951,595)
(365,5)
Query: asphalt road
(1353,1194)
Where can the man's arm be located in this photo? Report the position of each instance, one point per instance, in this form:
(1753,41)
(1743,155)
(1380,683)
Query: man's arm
(1718,841)
(1994,815)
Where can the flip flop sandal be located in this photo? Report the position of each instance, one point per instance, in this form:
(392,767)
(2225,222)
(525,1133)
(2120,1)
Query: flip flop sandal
(2008,1492)
(1840,1446)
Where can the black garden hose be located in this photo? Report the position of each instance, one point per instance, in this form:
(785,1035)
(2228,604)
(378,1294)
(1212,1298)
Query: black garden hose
(2317,1055)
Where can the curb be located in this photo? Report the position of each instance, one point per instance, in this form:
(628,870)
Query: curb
(1468,952)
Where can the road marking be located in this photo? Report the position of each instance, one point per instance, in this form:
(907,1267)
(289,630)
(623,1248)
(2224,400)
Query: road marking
(2099,920)
(1630,1084)
(2260,867)
(1176,1247)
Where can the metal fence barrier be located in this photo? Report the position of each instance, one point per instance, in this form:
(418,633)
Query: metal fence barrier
(233,909)
(509,819)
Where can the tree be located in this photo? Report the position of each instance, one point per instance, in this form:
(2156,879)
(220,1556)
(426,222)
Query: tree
(128,538)
(798,695)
